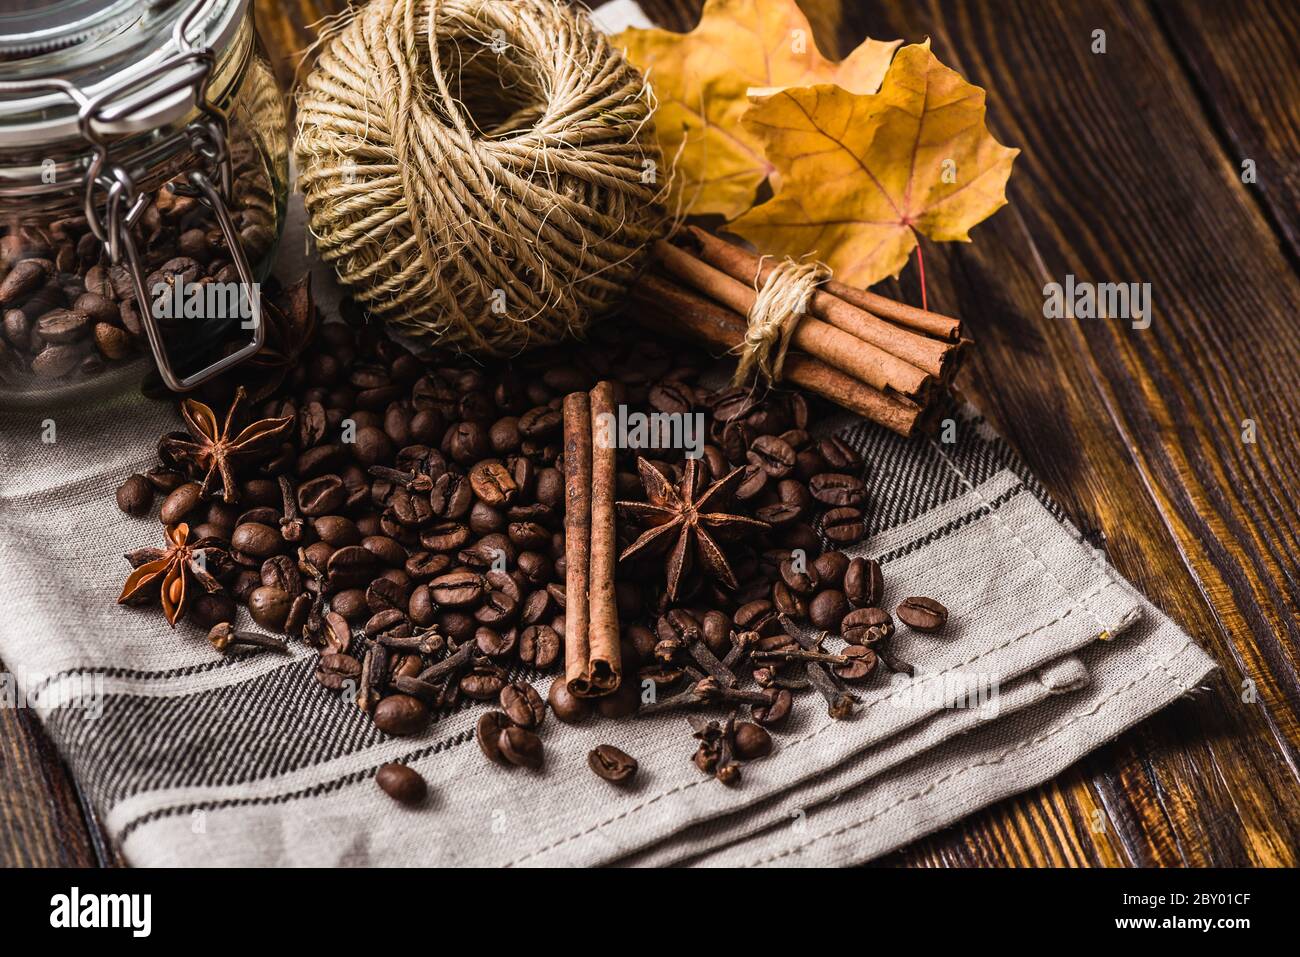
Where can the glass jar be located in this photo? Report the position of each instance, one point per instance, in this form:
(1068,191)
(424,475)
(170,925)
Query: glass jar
(143,160)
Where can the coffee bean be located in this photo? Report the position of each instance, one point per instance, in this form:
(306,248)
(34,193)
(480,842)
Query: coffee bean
(800,579)
(867,626)
(384,594)
(24,277)
(179,503)
(63,326)
(350,567)
(612,764)
(457,589)
(322,496)
(53,361)
(390,624)
(567,706)
(864,585)
(540,422)
(401,783)
(774,455)
(336,633)
(467,442)
(211,609)
(788,602)
(861,666)
(484,682)
(492,482)
(372,446)
(715,627)
(423,566)
(550,487)
(497,609)
(539,646)
(623,702)
(337,531)
(839,455)
(827,609)
(496,643)
(456,625)
(757,616)
(401,715)
(280,571)
(523,705)
(922,614)
(135,496)
(844,526)
(351,604)
(269,607)
(487,732)
(775,713)
(335,670)
(112,341)
(255,539)
(445,536)
(752,741)
(388,551)
(838,489)
(521,747)
(452,496)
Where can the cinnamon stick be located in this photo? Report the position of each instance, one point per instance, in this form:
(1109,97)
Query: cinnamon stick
(922,320)
(931,355)
(667,307)
(860,359)
(605,661)
(577,541)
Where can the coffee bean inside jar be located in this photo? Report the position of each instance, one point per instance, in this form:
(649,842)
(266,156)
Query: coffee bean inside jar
(70,304)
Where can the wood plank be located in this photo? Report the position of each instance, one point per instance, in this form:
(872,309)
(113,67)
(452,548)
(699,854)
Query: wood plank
(1138,433)
(1123,179)
(41,820)
(288,27)
(1242,58)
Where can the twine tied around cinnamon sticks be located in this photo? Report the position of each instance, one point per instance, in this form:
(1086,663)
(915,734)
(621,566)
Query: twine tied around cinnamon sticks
(883,360)
(778,307)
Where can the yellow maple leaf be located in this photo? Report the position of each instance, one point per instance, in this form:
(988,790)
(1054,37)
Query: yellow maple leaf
(861,175)
(702,80)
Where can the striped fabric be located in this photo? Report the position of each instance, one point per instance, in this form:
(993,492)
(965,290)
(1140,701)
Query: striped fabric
(197,759)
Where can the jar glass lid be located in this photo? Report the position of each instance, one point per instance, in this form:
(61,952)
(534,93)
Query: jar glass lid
(99,46)
(30,27)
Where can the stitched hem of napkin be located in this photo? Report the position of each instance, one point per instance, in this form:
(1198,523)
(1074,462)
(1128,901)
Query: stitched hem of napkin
(1161,665)
(788,746)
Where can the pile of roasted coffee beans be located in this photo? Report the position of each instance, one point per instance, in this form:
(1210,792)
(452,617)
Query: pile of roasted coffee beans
(68,312)
(409,525)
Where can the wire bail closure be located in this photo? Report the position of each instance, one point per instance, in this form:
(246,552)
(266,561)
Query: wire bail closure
(123,204)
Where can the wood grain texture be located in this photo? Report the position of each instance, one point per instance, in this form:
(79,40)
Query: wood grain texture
(1139,433)
(1242,61)
(41,818)
(1130,172)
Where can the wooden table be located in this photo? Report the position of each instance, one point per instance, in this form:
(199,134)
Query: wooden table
(1131,171)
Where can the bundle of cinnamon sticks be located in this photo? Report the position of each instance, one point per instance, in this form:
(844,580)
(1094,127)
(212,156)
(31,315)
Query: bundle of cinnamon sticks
(884,360)
(592,661)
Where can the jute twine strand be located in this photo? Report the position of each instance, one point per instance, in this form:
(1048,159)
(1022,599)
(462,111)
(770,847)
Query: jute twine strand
(483,173)
(781,302)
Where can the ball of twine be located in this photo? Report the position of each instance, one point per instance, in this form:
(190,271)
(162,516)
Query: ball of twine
(482,173)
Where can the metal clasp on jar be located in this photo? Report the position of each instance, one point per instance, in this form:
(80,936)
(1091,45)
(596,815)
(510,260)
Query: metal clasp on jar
(189,67)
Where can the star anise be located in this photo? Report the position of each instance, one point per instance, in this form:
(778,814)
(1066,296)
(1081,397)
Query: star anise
(210,449)
(166,574)
(678,512)
(291,324)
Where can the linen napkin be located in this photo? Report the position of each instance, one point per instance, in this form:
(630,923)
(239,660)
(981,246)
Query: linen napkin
(194,758)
